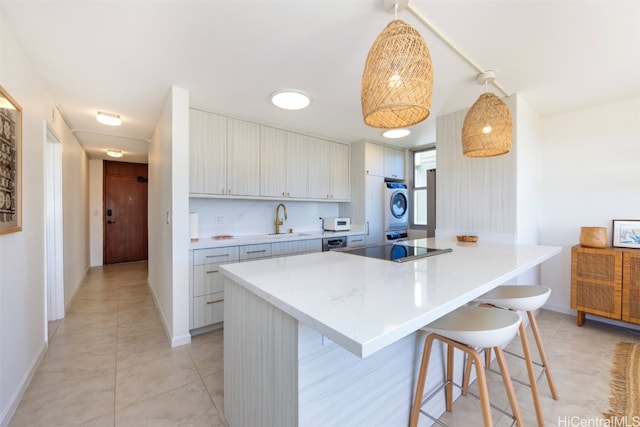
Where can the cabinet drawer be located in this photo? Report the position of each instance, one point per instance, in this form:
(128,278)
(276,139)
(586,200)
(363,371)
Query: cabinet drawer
(249,252)
(207,310)
(215,255)
(296,247)
(355,241)
(207,279)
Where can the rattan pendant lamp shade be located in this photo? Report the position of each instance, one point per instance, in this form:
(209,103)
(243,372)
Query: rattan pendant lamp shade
(488,129)
(397,82)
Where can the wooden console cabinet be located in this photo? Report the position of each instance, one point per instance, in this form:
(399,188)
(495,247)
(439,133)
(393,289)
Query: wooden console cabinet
(606,282)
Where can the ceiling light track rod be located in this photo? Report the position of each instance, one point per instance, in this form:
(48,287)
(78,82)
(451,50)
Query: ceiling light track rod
(453,47)
(111,134)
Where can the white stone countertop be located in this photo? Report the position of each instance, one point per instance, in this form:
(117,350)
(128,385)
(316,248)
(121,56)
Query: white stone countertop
(365,304)
(210,242)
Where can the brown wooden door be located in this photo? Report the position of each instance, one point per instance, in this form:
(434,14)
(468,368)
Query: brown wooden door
(125,212)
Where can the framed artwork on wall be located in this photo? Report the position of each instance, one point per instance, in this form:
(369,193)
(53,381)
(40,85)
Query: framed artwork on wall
(10,164)
(626,233)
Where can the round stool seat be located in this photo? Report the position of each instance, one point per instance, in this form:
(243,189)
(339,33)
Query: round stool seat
(477,326)
(517,297)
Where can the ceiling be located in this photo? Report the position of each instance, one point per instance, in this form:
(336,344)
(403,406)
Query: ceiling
(123,57)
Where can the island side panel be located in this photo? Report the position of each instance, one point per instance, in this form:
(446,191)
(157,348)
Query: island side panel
(338,388)
(260,361)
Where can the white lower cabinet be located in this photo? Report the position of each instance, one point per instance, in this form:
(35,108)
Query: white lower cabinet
(207,287)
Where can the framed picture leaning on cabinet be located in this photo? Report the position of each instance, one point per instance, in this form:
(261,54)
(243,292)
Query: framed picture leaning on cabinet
(626,233)
(10,164)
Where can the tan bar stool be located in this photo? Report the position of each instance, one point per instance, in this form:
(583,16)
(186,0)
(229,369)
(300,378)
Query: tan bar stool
(466,328)
(522,298)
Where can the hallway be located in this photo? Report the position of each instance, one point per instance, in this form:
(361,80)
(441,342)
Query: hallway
(109,363)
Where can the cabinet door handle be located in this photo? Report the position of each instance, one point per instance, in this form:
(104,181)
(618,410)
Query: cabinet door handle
(211,302)
(217,256)
(257,252)
(357,240)
(213,271)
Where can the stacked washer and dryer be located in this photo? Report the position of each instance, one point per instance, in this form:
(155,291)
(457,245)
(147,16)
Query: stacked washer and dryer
(396,214)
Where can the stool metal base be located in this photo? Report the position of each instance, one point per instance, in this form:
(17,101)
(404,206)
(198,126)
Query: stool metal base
(465,392)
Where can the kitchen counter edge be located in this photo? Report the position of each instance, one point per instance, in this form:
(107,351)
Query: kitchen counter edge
(206,243)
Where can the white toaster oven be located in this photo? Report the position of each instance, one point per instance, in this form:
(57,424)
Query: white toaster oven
(336,224)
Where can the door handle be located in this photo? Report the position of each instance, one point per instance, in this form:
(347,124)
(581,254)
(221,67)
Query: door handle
(111,222)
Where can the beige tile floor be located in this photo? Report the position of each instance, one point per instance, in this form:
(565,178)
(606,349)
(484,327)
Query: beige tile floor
(109,363)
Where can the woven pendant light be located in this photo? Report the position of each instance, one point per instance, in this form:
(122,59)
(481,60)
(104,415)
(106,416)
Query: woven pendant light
(397,82)
(488,129)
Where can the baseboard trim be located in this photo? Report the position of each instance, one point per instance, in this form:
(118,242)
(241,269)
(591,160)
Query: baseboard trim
(8,412)
(174,341)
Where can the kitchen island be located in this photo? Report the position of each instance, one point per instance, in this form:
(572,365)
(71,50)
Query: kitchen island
(333,338)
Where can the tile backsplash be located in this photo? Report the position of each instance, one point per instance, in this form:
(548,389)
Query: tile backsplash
(253,217)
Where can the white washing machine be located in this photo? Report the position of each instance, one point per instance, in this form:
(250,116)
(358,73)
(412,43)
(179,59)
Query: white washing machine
(396,210)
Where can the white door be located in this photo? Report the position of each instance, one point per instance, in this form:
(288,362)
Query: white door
(53,228)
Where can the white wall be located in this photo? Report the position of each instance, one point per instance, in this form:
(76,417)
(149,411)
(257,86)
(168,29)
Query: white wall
(23,326)
(591,176)
(169,216)
(22,273)
(96,168)
(474,195)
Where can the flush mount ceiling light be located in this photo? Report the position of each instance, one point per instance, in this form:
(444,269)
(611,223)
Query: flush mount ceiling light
(488,129)
(108,119)
(397,82)
(114,153)
(290,99)
(396,133)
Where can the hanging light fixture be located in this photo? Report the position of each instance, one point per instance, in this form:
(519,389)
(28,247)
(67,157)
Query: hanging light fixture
(488,129)
(397,82)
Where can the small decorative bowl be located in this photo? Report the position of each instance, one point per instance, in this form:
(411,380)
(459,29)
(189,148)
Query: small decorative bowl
(467,239)
(593,237)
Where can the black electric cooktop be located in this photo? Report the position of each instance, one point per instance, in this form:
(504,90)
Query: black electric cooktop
(397,253)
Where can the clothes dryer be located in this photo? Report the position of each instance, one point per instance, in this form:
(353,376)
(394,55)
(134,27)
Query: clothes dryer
(396,211)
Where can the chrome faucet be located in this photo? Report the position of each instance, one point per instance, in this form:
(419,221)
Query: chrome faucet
(279,221)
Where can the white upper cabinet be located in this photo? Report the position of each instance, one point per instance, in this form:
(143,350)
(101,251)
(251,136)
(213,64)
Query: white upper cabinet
(284,164)
(243,158)
(297,166)
(380,160)
(224,155)
(340,188)
(237,158)
(207,153)
(328,170)
(393,163)
(374,159)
